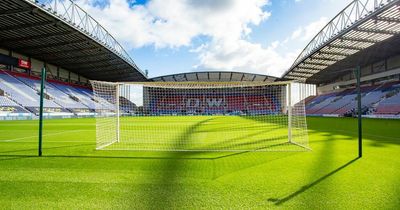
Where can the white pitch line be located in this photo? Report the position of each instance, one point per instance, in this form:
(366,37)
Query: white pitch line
(51,134)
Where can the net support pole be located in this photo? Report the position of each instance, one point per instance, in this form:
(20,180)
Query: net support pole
(289,101)
(117,91)
(359,111)
(42,83)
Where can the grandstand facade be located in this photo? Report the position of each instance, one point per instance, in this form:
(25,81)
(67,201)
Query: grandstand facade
(74,48)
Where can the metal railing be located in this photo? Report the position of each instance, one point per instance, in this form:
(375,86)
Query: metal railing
(71,14)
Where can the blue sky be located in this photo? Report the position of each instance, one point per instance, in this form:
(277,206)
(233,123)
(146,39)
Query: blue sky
(173,36)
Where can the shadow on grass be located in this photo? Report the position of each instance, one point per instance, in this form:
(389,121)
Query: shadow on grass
(279,201)
(174,157)
(4,153)
(166,189)
(242,161)
(15,157)
(177,157)
(278,120)
(378,131)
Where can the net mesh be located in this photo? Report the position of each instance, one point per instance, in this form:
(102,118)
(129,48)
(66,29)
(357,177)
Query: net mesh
(201,116)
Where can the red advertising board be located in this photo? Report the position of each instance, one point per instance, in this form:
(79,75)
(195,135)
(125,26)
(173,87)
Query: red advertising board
(24,64)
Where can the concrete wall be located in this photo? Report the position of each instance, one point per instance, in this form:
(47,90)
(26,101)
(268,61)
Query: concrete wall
(4,51)
(36,66)
(393,62)
(63,73)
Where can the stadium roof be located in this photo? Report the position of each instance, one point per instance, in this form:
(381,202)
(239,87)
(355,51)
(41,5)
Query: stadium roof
(214,76)
(61,33)
(366,31)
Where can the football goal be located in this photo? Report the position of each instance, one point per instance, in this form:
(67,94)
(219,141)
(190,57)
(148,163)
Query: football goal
(201,116)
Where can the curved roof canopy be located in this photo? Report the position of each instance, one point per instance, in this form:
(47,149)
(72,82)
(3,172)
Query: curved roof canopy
(61,33)
(214,76)
(365,31)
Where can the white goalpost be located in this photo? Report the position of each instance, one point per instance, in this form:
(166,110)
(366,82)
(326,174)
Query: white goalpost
(201,116)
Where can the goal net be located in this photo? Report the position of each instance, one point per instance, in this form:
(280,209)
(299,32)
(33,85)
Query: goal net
(202,116)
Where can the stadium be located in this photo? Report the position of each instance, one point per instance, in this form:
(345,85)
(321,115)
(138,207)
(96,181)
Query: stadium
(83,127)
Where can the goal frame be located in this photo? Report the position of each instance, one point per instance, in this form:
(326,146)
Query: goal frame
(289,102)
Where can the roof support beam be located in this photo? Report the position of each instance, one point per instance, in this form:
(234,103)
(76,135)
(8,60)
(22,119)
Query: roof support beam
(345,47)
(41,36)
(93,67)
(359,40)
(84,56)
(98,72)
(308,68)
(306,71)
(29,25)
(334,53)
(388,19)
(110,77)
(300,74)
(303,72)
(324,59)
(316,67)
(89,62)
(44,46)
(315,63)
(388,32)
(295,77)
(114,72)
(66,51)
(15,11)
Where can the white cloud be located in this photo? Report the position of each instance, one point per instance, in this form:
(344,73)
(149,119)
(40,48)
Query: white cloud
(245,56)
(175,23)
(308,32)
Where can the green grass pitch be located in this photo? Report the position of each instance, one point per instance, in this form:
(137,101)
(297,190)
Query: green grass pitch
(206,133)
(72,175)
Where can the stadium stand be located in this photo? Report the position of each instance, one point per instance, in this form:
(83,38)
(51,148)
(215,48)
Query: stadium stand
(59,97)
(78,94)
(20,94)
(9,107)
(319,103)
(229,103)
(391,105)
(381,99)
(6,102)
